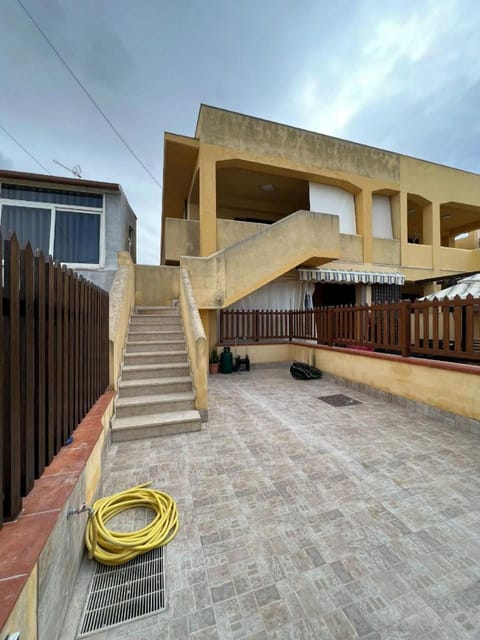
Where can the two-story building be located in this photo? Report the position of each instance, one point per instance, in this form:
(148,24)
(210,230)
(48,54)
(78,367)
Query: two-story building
(262,213)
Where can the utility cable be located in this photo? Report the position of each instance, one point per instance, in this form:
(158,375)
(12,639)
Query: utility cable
(24,149)
(88,94)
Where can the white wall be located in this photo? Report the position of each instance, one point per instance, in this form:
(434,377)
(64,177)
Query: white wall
(381,217)
(325,198)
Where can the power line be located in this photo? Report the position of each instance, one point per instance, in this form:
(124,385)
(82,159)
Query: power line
(23,149)
(88,94)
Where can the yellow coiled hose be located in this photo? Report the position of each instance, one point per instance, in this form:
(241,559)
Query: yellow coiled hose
(115,547)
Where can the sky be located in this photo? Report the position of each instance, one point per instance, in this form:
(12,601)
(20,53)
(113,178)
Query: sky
(403,76)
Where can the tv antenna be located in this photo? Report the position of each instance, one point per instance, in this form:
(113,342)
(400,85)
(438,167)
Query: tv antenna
(75,171)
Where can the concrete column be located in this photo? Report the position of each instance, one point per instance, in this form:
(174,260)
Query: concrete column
(363,212)
(403,216)
(431,231)
(208,203)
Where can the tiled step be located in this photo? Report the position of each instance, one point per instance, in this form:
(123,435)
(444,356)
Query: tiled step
(149,404)
(155,386)
(156,311)
(149,371)
(155,357)
(148,426)
(155,320)
(140,346)
(152,335)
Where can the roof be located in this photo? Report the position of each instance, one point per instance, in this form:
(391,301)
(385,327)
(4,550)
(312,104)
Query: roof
(58,180)
(469,286)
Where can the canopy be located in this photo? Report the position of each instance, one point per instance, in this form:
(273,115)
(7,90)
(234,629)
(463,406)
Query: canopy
(464,287)
(352,276)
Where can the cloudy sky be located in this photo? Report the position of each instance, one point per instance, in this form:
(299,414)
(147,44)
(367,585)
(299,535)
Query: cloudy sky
(404,76)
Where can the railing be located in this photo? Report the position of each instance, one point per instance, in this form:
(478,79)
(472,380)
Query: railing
(53,364)
(439,328)
(196,342)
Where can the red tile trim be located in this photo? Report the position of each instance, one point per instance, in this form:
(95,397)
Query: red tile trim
(22,541)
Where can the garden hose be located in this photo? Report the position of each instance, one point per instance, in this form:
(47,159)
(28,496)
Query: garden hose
(115,547)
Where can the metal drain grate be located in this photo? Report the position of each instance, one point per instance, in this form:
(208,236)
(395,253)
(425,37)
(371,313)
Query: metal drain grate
(339,400)
(121,594)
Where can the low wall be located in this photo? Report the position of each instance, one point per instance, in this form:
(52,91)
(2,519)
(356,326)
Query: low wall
(41,551)
(156,286)
(122,301)
(446,386)
(196,341)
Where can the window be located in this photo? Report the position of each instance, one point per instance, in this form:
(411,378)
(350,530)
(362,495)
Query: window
(70,232)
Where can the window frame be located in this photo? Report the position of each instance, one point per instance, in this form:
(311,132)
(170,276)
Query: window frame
(96,211)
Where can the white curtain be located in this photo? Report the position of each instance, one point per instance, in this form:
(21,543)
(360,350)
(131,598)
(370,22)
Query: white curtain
(381,217)
(325,198)
(281,294)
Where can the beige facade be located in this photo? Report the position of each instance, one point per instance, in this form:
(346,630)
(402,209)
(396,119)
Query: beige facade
(247,200)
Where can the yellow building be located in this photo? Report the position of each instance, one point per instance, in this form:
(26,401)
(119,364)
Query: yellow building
(260,213)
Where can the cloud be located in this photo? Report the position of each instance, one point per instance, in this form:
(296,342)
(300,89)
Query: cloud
(382,62)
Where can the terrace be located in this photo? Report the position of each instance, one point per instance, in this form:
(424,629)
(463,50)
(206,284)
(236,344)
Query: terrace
(304,520)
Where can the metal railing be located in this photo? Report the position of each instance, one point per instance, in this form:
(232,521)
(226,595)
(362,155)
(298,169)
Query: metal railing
(54,364)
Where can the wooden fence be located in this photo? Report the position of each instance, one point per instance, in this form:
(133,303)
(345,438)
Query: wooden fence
(439,328)
(53,364)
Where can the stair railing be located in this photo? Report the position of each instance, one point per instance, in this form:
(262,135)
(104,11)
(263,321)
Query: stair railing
(196,342)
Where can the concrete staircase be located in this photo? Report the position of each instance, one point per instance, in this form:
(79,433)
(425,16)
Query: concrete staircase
(155,392)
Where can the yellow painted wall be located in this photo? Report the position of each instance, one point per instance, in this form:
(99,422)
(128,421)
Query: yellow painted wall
(386,252)
(156,285)
(182,238)
(24,615)
(233,273)
(122,301)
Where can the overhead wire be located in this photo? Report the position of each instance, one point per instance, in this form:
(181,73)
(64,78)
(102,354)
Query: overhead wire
(24,149)
(88,94)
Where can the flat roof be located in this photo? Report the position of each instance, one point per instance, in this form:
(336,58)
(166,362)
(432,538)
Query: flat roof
(325,135)
(58,180)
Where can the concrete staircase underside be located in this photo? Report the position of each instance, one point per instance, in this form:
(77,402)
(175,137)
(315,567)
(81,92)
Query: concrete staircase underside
(155,392)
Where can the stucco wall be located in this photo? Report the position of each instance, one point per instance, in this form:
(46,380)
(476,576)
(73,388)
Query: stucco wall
(156,285)
(228,129)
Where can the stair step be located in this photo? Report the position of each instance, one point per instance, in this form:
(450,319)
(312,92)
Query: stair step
(156,311)
(155,357)
(149,371)
(140,346)
(154,404)
(148,426)
(150,335)
(155,320)
(155,386)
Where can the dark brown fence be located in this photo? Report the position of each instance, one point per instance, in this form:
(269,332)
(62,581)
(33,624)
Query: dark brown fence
(53,364)
(439,328)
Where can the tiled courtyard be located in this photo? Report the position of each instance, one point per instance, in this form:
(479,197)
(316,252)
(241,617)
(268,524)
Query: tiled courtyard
(304,520)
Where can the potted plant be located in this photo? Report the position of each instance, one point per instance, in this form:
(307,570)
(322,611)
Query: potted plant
(214,362)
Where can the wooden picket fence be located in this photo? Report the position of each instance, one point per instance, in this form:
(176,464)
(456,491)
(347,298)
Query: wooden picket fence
(448,328)
(53,364)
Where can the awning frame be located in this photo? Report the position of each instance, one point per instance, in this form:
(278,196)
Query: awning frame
(351,276)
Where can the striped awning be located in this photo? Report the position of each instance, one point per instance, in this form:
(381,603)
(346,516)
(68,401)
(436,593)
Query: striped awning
(352,276)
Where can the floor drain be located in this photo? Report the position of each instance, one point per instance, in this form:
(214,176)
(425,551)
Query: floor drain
(339,400)
(124,593)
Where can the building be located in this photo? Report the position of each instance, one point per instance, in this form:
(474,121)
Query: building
(238,212)
(81,223)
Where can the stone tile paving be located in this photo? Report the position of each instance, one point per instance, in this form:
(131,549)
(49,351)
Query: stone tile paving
(301,520)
